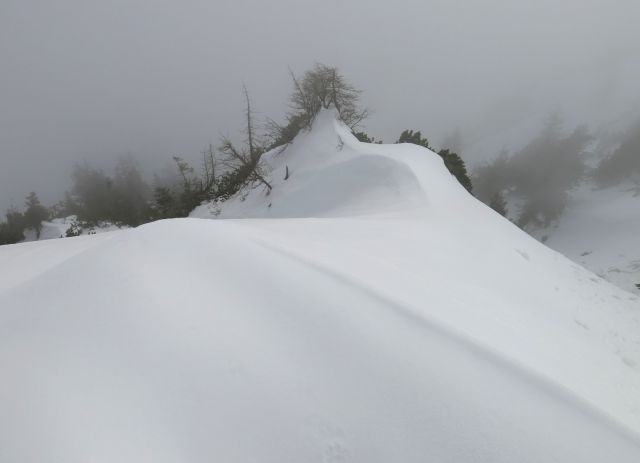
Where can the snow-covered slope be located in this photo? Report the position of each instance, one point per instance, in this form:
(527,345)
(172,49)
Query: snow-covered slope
(367,309)
(600,229)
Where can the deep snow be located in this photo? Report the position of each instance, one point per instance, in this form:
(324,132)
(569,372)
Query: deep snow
(367,309)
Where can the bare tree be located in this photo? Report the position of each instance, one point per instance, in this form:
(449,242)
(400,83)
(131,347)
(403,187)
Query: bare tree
(249,115)
(208,181)
(321,88)
(245,162)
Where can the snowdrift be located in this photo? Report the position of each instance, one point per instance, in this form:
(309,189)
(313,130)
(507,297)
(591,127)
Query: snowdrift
(368,309)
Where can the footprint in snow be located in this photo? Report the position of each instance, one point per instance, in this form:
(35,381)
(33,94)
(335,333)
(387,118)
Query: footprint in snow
(628,361)
(581,324)
(523,254)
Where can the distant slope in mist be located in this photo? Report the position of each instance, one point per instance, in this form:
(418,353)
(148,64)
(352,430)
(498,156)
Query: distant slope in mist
(600,229)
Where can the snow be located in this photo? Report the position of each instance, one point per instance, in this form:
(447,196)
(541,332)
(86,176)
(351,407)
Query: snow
(57,228)
(366,309)
(599,229)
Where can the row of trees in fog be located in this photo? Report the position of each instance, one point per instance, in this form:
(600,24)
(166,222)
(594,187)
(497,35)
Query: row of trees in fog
(540,176)
(125,198)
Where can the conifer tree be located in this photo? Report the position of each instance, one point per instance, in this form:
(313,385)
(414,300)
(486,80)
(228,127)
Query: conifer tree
(35,213)
(12,230)
(499,204)
(452,161)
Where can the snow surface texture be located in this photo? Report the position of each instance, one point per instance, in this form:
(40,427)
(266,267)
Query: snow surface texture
(376,312)
(600,229)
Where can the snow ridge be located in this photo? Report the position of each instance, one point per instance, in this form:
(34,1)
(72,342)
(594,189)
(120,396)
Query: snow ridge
(367,309)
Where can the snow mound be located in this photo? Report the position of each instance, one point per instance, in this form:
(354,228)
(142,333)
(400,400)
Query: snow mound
(327,172)
(374,311)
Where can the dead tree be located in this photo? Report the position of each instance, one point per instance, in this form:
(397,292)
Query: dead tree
(208,181)
(245,163)
(323,87)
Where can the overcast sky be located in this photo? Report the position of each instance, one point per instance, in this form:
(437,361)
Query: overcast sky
(83,79)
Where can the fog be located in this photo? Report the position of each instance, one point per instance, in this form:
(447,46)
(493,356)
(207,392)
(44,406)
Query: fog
(88,80)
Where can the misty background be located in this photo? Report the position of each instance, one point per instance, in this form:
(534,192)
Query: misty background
(84,80)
